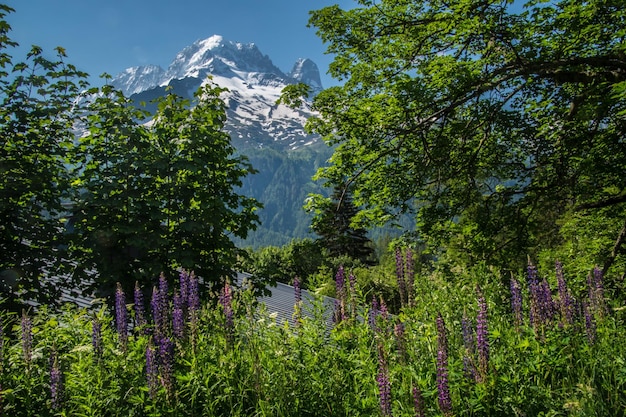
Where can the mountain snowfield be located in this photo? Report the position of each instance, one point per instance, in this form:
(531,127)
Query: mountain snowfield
(253,82)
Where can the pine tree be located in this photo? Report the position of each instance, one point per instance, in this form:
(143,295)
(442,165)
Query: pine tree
(333,223)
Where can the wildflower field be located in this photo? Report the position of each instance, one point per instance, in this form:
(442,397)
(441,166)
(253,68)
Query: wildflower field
(529,345)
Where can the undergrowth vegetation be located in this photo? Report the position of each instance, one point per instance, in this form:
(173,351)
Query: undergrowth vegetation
(526,345)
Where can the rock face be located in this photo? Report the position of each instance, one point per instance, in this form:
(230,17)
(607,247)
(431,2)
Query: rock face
(254,84)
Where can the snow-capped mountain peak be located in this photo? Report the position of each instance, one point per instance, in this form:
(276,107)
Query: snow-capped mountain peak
(137,79)
(306,71)
(254,84)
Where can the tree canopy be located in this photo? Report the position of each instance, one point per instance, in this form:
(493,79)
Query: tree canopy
(37,109)
(333,224)
(493,122)
(161,196)
(143,198)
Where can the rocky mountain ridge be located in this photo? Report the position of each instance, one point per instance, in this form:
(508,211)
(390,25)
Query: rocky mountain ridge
(253,82)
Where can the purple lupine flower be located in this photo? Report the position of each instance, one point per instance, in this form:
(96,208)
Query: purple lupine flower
(121,316)
(27,337)
(297,290)
(193,305)
(56,382)
(352,281)
(516,303)
(166,365)
(565,299)
(384,312)
(400,275)
(226,298)
(96,337)
(163,286)
(337,312)
(410,277)
(536,298)
(155,309)
(160,308)
(546,305)
(1,352)
(340,281)
(590,323)
(418,402)
(183,285)
(340,285)
(178,318)
(398,332)
(152,370)
(443,390)
(598,292)
(442,340)
(193,301)
(467,331)
(482,340)
(384,386)
(373,313)
(140,314)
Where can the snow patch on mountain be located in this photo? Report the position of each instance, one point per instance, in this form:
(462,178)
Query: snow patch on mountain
(253,82)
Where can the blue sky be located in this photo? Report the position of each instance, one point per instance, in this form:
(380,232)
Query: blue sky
(109,36)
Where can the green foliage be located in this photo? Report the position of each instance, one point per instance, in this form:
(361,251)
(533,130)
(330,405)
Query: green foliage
(84,179)
(38,112)
(300,258)
(492,122)
(162,196)
(333,222)
(256,366)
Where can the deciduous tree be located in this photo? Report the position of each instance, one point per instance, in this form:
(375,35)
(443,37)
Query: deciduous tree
(162,195)
(489,120)
(37,114)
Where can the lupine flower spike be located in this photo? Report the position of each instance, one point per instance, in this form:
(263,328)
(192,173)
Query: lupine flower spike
(140,314)
(566,302)
(193,305)
(443,390)
(27,338)
(178,319)
(183,280)
(516,303)
(152,370)
(96,337)
(482,341)
(384,386)
(56,382)
(166,364)
(418,402)
(590,324)
(400,341)
(410,277)
(340,284)
(297,312)
(226,298)
(400,277)
(121,317)
(373,313)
